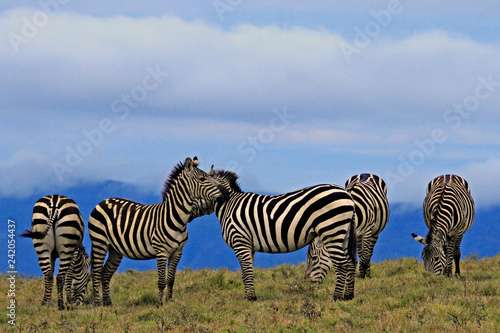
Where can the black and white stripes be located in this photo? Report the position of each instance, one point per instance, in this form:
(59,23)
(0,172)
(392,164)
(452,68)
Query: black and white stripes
(448,213)
(334,221)
(57,230)
(369,193)
(124,228)
(283,223)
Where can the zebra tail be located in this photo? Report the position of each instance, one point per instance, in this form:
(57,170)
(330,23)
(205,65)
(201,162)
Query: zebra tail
(39,235)
(33,234)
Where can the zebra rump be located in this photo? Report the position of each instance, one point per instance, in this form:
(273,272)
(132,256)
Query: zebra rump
(57,231)
(448,213)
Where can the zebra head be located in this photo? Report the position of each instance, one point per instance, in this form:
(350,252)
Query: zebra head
(433,253)
(201,207)
(194,185)
(81,276)
(318,261)
(228,180)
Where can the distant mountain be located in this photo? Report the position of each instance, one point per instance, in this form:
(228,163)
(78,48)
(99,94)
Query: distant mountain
(206,248)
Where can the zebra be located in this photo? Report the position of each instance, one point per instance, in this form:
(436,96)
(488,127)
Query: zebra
(448,213)
(369,193)
(284,223)
(124,228)
(57,231)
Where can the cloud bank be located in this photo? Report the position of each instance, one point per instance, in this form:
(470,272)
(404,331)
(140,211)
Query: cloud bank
(128,97)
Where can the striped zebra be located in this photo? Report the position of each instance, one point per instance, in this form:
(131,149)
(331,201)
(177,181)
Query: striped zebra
(57,231)
(448,213)
(124,228)
(369,193)
(284,223)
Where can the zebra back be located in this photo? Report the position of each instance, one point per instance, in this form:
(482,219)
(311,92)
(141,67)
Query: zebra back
(369,193)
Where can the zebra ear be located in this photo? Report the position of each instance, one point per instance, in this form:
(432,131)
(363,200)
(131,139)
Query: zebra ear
(419,239)
(188,165)
(211,173)
(195,161)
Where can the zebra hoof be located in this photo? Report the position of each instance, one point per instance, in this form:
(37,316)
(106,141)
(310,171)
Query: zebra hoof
(341,298)
(251,298)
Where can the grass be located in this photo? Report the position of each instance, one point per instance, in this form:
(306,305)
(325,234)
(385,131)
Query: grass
(400,297)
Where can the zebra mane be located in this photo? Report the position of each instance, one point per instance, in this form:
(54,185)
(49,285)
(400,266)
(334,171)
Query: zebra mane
(232,178)
(174,175)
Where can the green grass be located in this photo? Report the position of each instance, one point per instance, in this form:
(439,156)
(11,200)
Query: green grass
(400,297)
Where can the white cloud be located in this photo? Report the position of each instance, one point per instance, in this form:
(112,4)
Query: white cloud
(221,89)
(483,180)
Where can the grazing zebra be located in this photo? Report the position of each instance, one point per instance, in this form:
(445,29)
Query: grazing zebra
(448,213)
(57,232)
(284,223)
(369,193)
(124,228)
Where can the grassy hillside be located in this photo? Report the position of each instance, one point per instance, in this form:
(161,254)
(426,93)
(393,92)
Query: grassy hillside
(399,297)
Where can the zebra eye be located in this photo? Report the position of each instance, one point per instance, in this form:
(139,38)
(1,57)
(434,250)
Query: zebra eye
(202,179)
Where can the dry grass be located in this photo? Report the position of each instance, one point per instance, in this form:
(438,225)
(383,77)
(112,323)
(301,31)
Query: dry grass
(400,297)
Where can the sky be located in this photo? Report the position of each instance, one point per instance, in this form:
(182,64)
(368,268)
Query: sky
(286,94)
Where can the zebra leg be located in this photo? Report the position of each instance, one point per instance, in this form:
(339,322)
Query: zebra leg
(65,261)
(341,270)
(96,271)
(342,251)
(246,258)
(366,256)
(172,267)
(114,260)
(161,262)
(61,276)
(448,251)
(69,277)
(351,261)
(457,254)
(359,248)
(350,277)
(47,263)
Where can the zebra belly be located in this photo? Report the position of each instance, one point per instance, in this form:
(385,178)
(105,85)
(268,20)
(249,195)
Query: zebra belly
(127,245)
(135,251)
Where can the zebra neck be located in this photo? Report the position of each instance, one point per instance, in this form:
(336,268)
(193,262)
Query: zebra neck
(179,205)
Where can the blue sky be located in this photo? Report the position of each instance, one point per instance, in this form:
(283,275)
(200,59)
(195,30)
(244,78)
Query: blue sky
(286,94)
